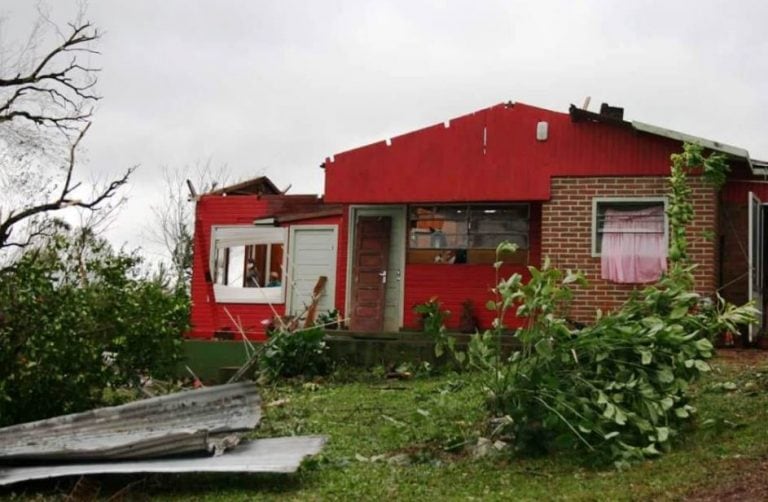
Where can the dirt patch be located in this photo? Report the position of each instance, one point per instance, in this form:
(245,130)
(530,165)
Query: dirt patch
(746,357)
(742,479)
(747,481)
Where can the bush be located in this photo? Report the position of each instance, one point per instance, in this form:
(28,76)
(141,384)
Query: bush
(292,353)
(77,317)
(618,388)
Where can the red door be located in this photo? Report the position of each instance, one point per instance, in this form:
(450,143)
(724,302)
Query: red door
(369,273)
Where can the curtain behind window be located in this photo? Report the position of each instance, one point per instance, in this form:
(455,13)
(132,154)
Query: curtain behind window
(634,249)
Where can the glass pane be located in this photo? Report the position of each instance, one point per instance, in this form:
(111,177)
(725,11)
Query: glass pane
(491,225)
(438,227)
(235,266)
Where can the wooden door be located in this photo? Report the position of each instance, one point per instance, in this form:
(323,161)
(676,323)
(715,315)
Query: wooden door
(369,273)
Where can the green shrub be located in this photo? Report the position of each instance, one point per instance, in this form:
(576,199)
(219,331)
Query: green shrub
(77,317)
(432,315)
(292,353)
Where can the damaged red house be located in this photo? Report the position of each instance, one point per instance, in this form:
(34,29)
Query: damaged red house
(420,215)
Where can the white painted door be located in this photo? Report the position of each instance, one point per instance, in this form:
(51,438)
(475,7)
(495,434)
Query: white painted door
(312,254)
(756,255)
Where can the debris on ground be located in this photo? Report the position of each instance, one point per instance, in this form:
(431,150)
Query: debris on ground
(190,431)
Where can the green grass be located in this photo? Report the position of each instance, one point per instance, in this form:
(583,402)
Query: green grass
(423,418)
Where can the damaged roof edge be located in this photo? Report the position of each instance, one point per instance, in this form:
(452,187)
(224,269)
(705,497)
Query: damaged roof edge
(717,146)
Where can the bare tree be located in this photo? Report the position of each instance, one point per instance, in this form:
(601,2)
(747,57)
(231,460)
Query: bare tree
(174,215)
(46,103)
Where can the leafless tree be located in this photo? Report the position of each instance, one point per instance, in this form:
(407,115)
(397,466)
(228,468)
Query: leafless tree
(173,227)
(46,103)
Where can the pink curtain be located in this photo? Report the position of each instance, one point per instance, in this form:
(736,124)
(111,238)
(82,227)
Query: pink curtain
(634,249)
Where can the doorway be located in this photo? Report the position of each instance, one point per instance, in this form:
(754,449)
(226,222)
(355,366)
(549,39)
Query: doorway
(757,279)
(376,268)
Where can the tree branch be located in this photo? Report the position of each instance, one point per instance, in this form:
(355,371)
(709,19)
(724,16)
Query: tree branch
(64,199)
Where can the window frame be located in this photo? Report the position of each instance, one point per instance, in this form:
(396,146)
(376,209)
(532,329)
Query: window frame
(625,200)
(469,207)
(259,235)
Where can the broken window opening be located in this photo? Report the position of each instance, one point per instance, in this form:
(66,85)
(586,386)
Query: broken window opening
(248,264)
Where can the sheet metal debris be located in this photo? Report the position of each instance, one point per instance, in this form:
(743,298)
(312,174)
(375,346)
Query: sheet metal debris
(279,455)
(203,420)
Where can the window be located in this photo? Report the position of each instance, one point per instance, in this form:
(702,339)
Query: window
(247,264)
(466,234)
(630,237)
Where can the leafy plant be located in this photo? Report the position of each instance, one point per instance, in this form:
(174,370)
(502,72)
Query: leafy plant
(329,319)
(292,353)
(432,315)
(468,320)
(77,317)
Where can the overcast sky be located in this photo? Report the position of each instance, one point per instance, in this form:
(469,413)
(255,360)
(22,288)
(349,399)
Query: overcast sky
(274,87)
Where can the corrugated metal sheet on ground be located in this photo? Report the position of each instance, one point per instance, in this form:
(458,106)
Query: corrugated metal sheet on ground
(196,420)
(278,455)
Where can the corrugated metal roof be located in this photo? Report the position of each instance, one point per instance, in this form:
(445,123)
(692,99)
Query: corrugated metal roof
(280,455)
(195,420)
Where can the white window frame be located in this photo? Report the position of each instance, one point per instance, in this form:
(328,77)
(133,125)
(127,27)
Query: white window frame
(625,200)
(246,235)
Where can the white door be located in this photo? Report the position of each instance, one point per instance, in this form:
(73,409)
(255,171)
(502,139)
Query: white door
(312,254)
(756,255)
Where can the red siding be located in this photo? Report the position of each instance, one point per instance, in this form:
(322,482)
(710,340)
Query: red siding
(737,191)
(207,316)
(439,164)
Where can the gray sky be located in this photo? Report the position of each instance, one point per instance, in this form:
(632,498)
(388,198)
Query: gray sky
(273,87)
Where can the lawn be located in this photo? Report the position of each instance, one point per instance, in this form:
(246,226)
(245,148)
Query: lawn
(407,440)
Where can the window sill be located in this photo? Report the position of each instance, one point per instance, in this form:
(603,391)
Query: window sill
(227,294)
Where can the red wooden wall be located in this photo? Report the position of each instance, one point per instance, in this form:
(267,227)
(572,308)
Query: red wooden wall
(491,155)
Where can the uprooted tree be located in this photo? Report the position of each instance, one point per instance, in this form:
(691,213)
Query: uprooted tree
(46,103)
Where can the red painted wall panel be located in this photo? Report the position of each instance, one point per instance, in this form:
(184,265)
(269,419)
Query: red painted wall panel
(491,155)
(738,191)
(452,285)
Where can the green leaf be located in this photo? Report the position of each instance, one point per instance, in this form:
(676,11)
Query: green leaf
(703,345)
(543,347)
(679,312)
(662,434)
(702,366)
(665,375)
(646,357)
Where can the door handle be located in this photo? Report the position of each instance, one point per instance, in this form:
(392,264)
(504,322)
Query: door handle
(383,275)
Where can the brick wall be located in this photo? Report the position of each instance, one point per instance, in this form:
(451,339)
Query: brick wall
(567,235)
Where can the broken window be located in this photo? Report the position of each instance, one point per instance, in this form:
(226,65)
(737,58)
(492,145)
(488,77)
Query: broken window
(630,237)
(466,233)
(247,264)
